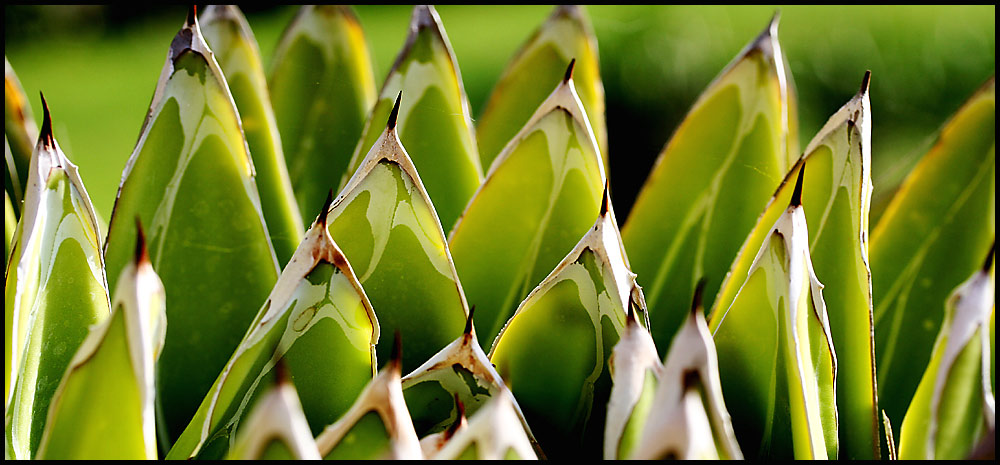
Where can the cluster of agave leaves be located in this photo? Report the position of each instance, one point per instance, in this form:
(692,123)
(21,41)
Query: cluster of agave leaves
(766,325)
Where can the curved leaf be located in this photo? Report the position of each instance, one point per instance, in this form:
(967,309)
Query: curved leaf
(493,433)
(20,135)
(635,371)
(104,406)
(536,202)
(229,35)
(55,289)
(955,405)
(928,241)
(190,179)
(276,428)
(386,225)
(566,35)
(319,323)
(710,182)
(775,351)
(322,88)
(434,123)
(574,317)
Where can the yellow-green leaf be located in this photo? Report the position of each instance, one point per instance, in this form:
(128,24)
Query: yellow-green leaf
(554,351)
(20,135)
(711,180)
(435,123)
(55,289)
(230,37)
(322,88)
(928,241)
(276,428)
(103,408)
(565,35)
(538,199)
(190,180)
(385,223)
(319,324)
(955,405)
(776,357)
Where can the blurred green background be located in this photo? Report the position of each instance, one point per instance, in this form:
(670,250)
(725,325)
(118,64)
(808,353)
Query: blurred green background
(98,66)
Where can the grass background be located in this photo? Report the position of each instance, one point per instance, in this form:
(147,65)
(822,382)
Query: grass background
(98,66)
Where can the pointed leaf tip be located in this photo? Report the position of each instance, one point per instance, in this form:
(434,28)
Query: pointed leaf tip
(569,71)
(865,81)
(45,135)
(468,321)
(281,372)
(697,303)
(391,123)
(192,16)
(690,379)
(605,200)
(397,352)
(797,195)
(423,16)
(458,419)
(141,253)
(324,212)
(989,258)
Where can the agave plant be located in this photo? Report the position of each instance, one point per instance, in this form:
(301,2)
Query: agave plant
(737,313)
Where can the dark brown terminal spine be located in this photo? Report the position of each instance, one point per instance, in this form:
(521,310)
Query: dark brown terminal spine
(45,135)
(797,195)
(569,71)
(391,124)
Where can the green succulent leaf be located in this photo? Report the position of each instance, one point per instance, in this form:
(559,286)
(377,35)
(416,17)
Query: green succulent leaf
(954,404)
(322,88)
(928,241)
(55,289)
(836,195)
(386,225)
(566,35)
(276,428)
(319,324)
(775,350)
(494,432)
(535,203)
(228,34)
(434,122)
(635,371)
(190,179)
(10,224)
(574,317)
(377,426)
(711,180)
(103,408)
(20,135)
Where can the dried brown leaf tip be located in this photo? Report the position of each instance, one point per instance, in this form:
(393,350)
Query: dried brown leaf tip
(568,75)
(797,194)
(989,257)
(141,253)
(396,360)
(282,377)
(697,303)
(391,123)
(324,212)
(45,135)
(192,16)
(468,321)
(458,420)
(605,199)
(865,82)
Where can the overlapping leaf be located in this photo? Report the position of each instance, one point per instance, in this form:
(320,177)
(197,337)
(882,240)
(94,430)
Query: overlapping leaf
(493,433)
(435,123)
(565,35)
(710,182)
(228,34)
(928,241)
(377,426)
(20,135)
(103,408)
(55,289)
(554,351)
(319,323)
(775,351)
(536,202)
(954,405)
(322,88)
(836,195)
(276,428)
(635,372)
(386,225)
(190,180)
(688,418)
(458,379)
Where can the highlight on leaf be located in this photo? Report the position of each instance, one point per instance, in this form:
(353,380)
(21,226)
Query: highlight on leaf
(20,135)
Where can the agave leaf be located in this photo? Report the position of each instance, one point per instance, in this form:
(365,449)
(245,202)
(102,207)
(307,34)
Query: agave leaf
(190,179)
(493,433)
(635,371)
(709,183)
(566,35)
(20,135)
(434,123)
(276,428)
(954,405)
(322,88)
(928,241)
(535,204)
(10,224)
(836,195)
(688,417)
(461,371)
(319,323)
(103,408)
(386,225)
(229,35)
(378,425)
(775,350)
(431,444)
(575,317)
(55,289)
